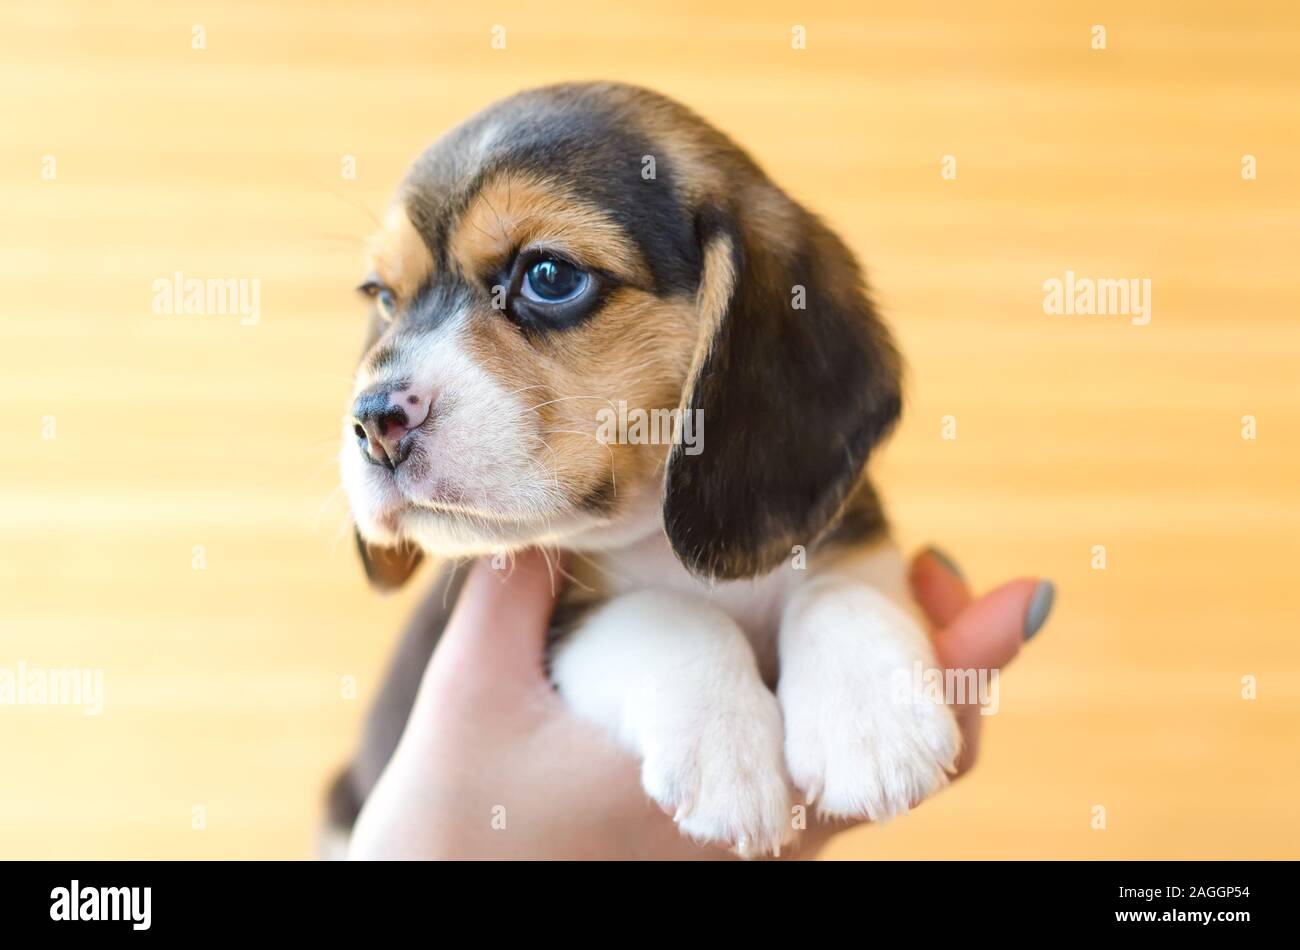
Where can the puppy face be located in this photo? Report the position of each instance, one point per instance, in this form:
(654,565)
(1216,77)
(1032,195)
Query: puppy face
(583,250)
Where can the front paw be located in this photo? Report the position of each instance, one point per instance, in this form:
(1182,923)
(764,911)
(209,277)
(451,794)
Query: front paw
(719,769)
(859,741)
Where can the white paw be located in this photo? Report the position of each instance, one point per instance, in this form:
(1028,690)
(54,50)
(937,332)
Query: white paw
(718,767)
(859,741)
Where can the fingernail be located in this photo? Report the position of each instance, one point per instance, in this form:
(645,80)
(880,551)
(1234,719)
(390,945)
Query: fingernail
(1040,605)
(949,564)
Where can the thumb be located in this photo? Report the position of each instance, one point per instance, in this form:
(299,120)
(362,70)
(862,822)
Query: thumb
(988,632)
(497,631)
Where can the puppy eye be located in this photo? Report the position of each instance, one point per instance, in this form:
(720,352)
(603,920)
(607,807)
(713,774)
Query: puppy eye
(385,300)
(551,280)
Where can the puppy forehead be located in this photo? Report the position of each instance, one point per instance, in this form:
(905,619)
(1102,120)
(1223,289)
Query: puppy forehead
(592,146)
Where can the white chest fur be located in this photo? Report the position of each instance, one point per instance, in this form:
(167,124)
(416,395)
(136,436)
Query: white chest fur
(754,604)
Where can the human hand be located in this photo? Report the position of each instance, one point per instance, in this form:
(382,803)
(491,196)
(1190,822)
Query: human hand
(493,765)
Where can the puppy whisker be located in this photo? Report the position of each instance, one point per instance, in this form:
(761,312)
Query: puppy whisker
(550,402)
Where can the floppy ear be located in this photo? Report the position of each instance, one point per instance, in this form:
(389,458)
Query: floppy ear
(792,400)
(388,567)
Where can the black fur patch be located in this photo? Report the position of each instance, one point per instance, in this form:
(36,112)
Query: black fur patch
(861,521)
(388,567)
(793,401)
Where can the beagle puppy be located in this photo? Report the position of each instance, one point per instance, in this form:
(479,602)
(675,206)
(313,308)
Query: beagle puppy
(582,255)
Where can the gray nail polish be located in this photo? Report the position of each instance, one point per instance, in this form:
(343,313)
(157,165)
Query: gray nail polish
(1040,605)
(949,564)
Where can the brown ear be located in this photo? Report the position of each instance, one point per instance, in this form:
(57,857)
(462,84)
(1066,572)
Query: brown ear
(791,400)
(388,567)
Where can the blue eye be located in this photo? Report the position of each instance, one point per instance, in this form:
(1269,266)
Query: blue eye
(553,281)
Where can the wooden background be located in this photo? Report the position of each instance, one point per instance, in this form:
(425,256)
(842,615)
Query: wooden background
(223,685)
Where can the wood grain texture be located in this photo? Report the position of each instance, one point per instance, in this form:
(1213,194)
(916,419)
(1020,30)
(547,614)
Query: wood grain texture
(223,686)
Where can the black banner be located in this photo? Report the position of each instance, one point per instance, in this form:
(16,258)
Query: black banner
(1220,900)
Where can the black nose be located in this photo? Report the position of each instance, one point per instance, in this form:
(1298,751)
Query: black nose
(381,424)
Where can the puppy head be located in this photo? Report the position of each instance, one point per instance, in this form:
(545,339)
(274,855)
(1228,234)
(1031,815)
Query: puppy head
(587,253)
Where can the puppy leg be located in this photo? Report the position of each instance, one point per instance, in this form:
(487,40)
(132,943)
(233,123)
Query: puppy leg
(861,740)
(675,681)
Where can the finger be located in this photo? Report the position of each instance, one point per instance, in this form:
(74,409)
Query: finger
(986,636)
(938,586)
(498,629)
(988,633)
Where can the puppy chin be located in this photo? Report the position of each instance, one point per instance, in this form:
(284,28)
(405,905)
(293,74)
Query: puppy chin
(372,496)
(465,534)
(449,535)
(454,534)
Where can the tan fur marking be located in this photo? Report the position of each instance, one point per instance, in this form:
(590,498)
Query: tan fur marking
(398,256)
(636,351)
(717,283)
(514,210)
